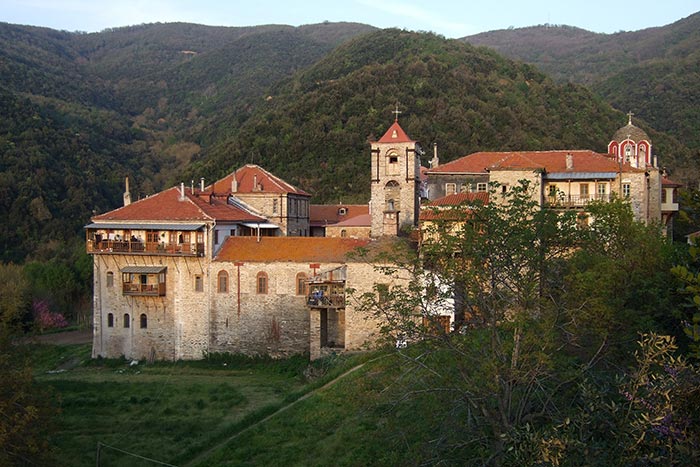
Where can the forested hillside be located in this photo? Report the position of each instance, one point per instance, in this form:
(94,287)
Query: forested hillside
(654,72)
(164,103)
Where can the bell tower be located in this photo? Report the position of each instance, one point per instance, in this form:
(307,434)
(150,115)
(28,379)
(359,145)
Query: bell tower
(395,181)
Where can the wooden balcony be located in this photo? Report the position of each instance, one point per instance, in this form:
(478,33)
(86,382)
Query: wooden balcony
(334,300)
(152,290)
(574,201)
(144,248)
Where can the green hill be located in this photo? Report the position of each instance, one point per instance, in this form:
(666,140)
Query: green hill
(653,72)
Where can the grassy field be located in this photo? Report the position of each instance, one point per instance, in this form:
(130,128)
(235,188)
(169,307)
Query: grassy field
(170,412)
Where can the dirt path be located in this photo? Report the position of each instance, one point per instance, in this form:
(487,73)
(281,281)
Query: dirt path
(82,336)
(203,455)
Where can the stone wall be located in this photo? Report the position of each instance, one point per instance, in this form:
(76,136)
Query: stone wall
(177,324)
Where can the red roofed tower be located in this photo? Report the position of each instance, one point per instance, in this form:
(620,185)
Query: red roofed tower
(395,181)
(631,145)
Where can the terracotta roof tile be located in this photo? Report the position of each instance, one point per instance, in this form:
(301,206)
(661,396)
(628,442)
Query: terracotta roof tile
(329,214)
(395,134)
(289,249)
(667,182)
(163,206)
(363,220)
(460,198)
(219,209)
(246,177)
(550,161)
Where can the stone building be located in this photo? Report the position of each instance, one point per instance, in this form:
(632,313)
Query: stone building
(247,265)
(569,179)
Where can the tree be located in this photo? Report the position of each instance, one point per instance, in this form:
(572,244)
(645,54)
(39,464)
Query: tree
(549,305)
(497,372)
(25,411)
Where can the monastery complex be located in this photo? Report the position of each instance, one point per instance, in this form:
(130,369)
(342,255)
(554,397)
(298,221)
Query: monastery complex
(248,265)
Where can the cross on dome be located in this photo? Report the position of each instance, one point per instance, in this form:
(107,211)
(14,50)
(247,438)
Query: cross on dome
(629,116)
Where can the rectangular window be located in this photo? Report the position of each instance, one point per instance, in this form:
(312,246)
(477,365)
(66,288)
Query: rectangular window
(262,284)
(216,237)
(626,190)
(110,279)
(481,186)
(601,190)
(663,196)
(198,284)
(450,188)
(583,190)
(274,206)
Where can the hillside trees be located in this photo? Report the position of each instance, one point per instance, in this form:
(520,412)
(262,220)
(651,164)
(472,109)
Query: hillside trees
(548,312)
(25,412)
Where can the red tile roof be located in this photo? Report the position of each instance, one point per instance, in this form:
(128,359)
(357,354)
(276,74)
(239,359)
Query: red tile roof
(363,220)
(289,249)
(395,134)
(437,209)
(550,161)
(667,182)
(163,206)
(246,177)
(168,206)
(328,214)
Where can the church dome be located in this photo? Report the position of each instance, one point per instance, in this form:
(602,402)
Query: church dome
(632,132)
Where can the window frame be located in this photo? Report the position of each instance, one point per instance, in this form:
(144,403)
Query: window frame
(222,276)
(262,283)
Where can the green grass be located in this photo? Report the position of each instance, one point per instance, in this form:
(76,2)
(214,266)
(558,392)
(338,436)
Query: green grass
(162,411)
(174,412)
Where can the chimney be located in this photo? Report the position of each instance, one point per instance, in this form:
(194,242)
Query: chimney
(435,161)
(127,194)
(192,186)
(182,191)
(569,162)
(201,184)
(234,184)
(255,182)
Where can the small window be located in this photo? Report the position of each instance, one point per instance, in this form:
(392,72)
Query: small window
(343,233)
(261,283)
(450,188)
(342,211)
(302,285)
(481,186)
(504,188)
(602,189)
(216,237)
(274,206)
(583,190)
(144,321)
(664,197)
(110,320)
(127,320)
(222,282)
(626,190)
(393,159)
(382,293)
(198,284)
(110,279)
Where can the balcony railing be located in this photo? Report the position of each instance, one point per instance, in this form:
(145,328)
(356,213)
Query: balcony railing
(334,300)
(574,201)
(143,289)
(148,248)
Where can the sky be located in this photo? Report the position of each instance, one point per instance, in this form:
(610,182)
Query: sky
(451,19)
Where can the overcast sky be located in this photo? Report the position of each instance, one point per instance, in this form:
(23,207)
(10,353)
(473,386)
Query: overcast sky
(449,18)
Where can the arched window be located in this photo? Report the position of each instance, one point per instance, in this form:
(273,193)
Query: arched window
(261,283)
(222,282)
(392,193)
(127,320)
(343,233)
(144,321)
(302,284)
(110,320)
